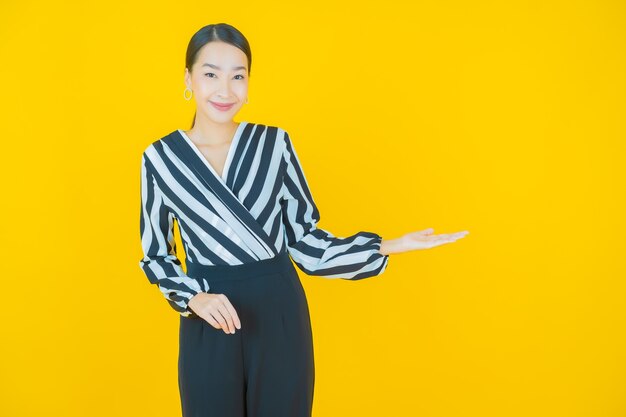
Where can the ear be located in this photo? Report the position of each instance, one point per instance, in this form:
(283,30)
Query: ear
(187,78)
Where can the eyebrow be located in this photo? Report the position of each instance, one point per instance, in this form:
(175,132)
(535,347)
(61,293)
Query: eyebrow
(206,64)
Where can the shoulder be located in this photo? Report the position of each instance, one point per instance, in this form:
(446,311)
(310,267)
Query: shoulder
(268,132)
(155,147)
(281,131)
(285,139)
(267,129)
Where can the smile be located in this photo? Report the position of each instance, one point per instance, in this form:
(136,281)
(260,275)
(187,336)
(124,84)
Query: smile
(221,106)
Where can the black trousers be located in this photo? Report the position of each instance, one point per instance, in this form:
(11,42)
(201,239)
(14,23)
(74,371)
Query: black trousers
(264,369)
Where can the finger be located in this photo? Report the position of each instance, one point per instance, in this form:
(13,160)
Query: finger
(427,232)
(439,238)
(213,322)
(230,326)
(233,312)
(220,319)
(226,310)
(455,236)
(443,241)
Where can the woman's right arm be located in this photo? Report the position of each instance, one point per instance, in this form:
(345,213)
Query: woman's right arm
(161,265)
(160,262)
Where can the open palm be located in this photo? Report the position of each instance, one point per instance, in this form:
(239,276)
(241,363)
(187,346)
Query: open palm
(425,239)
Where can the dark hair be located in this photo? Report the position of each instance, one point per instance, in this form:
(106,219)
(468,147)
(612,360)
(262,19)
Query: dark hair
(216,32)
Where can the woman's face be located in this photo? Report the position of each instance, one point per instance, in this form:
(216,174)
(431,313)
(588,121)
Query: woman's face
(220,75)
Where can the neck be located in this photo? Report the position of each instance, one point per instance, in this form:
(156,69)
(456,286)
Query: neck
(208,132)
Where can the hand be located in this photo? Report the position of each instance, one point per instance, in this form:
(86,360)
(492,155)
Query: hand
(217,310)
(423,239)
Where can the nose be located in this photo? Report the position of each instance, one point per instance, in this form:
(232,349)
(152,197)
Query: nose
(224,89)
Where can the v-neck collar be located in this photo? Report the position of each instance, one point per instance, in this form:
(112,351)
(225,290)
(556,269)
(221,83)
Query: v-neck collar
(229,155)
(186,150)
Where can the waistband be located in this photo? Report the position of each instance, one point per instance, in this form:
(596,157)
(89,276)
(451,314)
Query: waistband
(216,273)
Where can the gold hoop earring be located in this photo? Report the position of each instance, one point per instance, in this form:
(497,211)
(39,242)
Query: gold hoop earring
(185,93)
(246,100)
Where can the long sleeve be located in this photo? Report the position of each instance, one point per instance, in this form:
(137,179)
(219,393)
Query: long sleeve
(317,251)
(160,262)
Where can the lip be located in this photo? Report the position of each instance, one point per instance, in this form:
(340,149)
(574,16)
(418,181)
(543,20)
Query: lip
(222,106)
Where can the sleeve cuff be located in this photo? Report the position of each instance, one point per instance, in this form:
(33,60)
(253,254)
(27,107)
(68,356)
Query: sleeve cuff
(188,312)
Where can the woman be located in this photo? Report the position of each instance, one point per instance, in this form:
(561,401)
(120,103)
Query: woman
(244,211)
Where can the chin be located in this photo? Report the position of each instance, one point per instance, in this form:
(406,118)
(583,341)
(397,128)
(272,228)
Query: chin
(222,117)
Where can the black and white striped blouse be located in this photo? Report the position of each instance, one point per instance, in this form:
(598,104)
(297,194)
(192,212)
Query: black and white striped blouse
(259,207)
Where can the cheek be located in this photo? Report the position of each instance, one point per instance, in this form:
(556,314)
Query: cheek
(204,88)
(240,89)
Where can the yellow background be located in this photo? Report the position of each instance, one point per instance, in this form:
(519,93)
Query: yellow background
(505,119)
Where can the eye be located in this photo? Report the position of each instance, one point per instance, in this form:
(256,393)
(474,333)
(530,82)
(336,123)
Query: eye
(210,73)
(239,75)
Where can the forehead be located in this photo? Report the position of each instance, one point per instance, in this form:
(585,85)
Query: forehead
(222,54)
